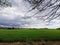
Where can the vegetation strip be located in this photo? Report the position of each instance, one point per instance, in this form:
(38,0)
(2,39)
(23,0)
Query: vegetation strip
(28,34)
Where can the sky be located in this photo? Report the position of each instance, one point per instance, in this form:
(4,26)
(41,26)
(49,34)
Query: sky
(18,16)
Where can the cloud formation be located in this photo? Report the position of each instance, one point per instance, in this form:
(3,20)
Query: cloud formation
(17,16)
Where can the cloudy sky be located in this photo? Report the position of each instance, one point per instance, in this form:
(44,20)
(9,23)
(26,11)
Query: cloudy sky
(18,16)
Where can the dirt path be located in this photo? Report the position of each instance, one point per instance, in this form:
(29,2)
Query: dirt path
(31,43)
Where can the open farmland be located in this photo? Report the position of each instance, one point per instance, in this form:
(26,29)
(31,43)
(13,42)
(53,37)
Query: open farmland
(12,35)
(29,36)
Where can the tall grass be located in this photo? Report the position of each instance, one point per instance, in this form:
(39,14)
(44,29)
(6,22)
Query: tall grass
(28,34)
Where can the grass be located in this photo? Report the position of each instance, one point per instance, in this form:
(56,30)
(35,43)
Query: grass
(28,34)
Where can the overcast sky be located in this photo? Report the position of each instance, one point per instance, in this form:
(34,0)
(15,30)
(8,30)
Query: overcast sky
(17,16)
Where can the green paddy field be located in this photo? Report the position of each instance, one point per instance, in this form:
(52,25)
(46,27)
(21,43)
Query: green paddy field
(11,35)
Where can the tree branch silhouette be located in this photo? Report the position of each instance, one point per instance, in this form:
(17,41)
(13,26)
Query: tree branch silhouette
(5,3)
(42,5)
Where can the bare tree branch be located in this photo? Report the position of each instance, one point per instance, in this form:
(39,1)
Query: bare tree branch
(5,3)
(43,5)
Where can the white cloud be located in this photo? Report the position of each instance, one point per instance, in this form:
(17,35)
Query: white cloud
(15,16)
